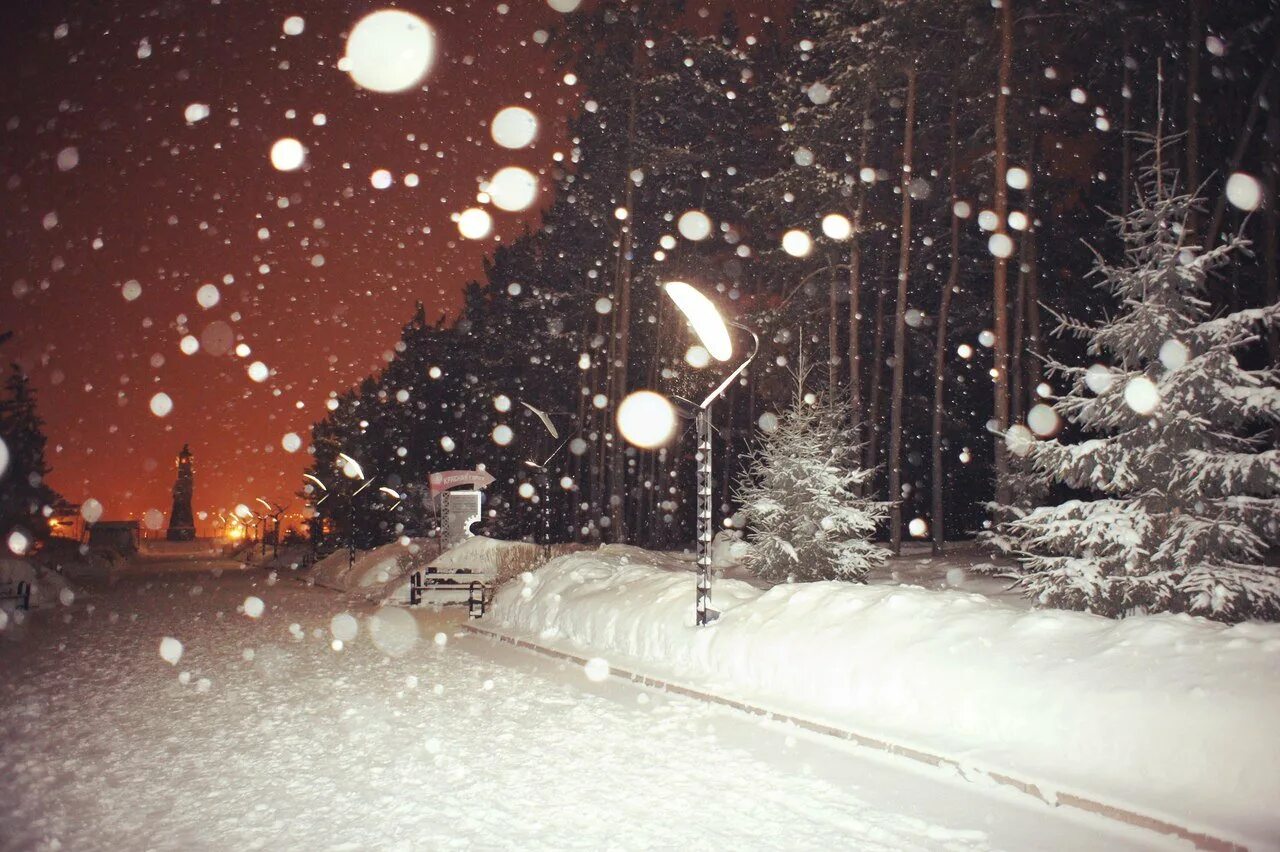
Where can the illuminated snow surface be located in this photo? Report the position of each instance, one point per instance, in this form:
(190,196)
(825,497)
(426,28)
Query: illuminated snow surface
(263,736)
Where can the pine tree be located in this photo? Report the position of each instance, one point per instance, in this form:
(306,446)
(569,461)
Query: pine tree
(1186,481)
(800,495)
(24,495)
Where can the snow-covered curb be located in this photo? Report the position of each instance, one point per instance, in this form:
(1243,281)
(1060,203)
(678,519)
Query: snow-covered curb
(1167,716)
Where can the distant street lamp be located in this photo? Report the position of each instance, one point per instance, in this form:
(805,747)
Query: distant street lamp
(352,469)
(542,478)
(710,327)
(276,511)
(394,495)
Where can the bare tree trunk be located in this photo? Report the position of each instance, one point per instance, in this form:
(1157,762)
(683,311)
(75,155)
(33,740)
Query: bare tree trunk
(877,371)
(1195,43)
(1272,215)
(940,348)
(1017,389)
(833,334)
(1126,143)
(1035,359)
(900,325)
(601,374)
(622,309)
(1243,138)
(1000,280)
(855,291)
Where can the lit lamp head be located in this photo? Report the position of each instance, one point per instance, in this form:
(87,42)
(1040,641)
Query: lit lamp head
(350,467)
(703,318)
(711,329)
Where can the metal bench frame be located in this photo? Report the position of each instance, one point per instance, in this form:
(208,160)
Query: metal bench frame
(21,593)
(478,593)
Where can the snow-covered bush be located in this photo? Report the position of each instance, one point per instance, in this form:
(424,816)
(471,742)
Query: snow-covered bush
(1180,458)
(800,496)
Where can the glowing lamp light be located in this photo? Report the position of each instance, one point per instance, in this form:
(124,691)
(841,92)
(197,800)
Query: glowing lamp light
(350,467)
(646,419)
(703,317)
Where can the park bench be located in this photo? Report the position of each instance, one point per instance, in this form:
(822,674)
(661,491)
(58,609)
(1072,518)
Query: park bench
(477,591)
(20,591)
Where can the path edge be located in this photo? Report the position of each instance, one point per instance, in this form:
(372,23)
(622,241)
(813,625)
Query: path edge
(1113,812)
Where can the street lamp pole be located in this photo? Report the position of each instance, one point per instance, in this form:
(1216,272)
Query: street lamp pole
(543,479)
(711,330)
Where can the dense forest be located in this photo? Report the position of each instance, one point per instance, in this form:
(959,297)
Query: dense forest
(909,193)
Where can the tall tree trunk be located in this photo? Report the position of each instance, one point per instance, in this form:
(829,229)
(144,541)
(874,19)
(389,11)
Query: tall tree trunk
(622,308)
(833,334)
(1271,243)
(855,291)
(1195,43)
(900,324)
(1000,278)
(1126,142)
(938,473)
(1030,242)
(601,376)
(1243,138)
(877,371)
(1017,389)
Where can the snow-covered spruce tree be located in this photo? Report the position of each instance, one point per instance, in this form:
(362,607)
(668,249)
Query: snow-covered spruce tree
(1186,476)
(798,492)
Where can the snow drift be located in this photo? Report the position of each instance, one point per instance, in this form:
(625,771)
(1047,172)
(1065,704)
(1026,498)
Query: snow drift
(48,587)
(371,567)
(382,574)
(1170,715)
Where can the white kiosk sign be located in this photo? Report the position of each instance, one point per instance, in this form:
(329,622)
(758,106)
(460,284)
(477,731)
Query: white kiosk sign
(458,511)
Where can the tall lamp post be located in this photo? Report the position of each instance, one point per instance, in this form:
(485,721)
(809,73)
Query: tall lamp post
(352,469)
(276,511)
(713,333)
(314,523)
(542,470)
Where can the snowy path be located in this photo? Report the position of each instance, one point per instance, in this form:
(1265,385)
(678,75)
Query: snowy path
(461,745)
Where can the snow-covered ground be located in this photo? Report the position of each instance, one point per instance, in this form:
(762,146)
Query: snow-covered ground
(1169,716)
(417,736)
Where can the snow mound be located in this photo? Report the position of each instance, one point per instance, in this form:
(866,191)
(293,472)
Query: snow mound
(491,561)
(47,586)
(371,567)
(1170,715)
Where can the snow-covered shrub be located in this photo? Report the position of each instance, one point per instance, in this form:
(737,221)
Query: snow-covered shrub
(1180,458)
(800,496)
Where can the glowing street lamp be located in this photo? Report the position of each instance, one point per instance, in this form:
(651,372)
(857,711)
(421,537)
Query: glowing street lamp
(352,470)
(350,467)
(324,489)
(542,471)
(713,333)
(393,494)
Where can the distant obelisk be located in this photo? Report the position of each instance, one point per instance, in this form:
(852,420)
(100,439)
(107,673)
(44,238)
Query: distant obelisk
(182,523)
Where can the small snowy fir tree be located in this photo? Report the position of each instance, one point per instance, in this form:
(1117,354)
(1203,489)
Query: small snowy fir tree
(800,496)
(1178,452)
